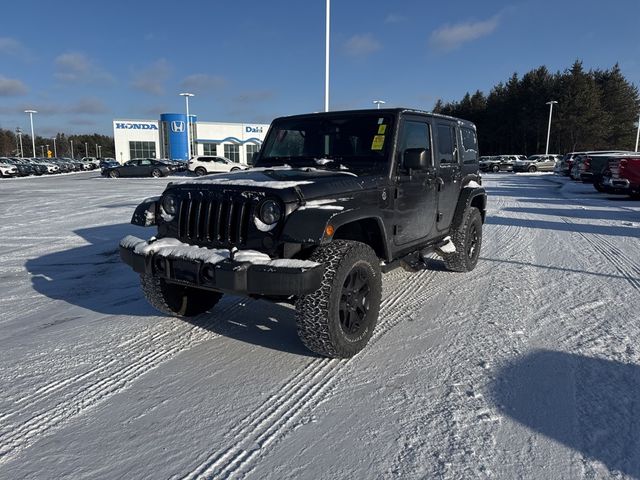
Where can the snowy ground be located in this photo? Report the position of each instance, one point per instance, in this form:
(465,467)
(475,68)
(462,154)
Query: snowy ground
(527,367)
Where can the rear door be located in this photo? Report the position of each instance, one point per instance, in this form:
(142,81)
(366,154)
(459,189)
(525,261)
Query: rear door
(448,165)
(129,169)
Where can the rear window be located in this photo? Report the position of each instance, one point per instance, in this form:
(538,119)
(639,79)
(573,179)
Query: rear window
(469,145)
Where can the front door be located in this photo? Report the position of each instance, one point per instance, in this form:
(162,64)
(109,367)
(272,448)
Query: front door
(415,193)
(448,164)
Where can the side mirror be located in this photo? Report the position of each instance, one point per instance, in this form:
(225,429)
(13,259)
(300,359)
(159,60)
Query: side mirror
(415,159)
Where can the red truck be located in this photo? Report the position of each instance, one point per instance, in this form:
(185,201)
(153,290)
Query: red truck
(623,175)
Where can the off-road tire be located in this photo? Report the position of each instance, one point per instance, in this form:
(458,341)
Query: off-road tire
(532,169)
(200,171)
(177,300)
(318,314)
(467,238)
(114,174)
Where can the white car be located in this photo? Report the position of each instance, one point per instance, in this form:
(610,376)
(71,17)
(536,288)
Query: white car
(204,165)
(7,170)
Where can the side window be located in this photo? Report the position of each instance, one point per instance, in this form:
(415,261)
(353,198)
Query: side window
(446,143)
(416,135)
(132,163)
(470,146)
(145,162)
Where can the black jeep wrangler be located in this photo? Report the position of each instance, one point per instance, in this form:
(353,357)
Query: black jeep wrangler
(333,201)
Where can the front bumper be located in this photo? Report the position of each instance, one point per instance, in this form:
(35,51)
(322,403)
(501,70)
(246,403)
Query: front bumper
(216,270)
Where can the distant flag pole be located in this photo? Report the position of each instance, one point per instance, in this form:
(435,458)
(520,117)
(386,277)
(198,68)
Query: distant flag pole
(326,58)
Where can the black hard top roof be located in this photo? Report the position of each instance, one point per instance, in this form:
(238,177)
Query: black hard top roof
(393,111)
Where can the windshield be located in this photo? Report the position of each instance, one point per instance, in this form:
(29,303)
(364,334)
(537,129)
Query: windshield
(359,143)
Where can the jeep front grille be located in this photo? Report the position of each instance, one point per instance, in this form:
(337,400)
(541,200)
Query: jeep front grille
(222,222)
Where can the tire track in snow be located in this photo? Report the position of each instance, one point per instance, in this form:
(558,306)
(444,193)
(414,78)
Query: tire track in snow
(260,429)
(618,259)
(17,437)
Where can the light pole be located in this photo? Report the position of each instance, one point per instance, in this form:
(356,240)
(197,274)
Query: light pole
(99,151)
(33,138)
(186,96)
(379,102)
(71,142)
(86,149)
(326,56)
(41,150)
(47,145)
(55,150)
(637,135)
(19,132)
(551,104)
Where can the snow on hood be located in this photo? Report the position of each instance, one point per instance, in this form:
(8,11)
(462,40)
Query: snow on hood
(280,177)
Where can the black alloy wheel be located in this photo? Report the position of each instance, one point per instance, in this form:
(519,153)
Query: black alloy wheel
(354,304)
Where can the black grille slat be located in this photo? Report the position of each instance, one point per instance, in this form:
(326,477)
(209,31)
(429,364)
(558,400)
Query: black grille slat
(221,222)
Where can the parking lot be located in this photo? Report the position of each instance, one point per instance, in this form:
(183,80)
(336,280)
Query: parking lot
(522,368)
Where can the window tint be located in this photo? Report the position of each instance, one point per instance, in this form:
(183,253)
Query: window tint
(470,146)
(416,135)
(445,143)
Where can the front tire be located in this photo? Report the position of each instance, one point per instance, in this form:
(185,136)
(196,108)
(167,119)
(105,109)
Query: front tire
(177,300)
(338,319)
(114,174)
(467,238)
(532,169)
(155,173)
(495,168)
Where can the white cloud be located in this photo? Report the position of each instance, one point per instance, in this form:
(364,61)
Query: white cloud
(450,37)
(10,87)
(201,82)
(11,46)
(76,67)
(362,45)
(152,78)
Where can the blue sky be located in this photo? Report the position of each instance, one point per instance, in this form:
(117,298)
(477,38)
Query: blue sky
(82,64)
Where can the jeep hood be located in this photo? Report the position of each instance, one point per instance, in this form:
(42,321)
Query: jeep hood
(287,183)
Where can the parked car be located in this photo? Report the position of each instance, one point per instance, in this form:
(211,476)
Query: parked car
(138,167)
(499,163)
(108,164)
(592,167)
(208,164)
(93,162)
(49,167)
(563,167)
(24,169)
(7,169)
(623,175)
(105,162)
(537,163)
(175,165)
(354,195)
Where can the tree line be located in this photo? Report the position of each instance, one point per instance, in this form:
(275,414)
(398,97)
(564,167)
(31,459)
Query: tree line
(83,145)
(596,110)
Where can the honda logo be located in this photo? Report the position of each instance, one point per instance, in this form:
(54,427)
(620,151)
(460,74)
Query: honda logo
(177,126)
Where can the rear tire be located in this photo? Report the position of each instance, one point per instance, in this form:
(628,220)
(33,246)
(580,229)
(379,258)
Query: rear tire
(338,319)
(532,169)
(235,169)
(467,238)
(495,168)
(114,174)
(155,173)
(177,300)
(200,171)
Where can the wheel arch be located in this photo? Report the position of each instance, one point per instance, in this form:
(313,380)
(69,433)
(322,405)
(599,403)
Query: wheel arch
(470,197)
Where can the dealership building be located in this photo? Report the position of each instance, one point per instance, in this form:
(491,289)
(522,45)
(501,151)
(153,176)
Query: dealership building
(167,138)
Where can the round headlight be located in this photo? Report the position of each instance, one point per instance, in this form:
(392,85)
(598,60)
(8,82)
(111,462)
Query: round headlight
(270,212)
(169,204)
